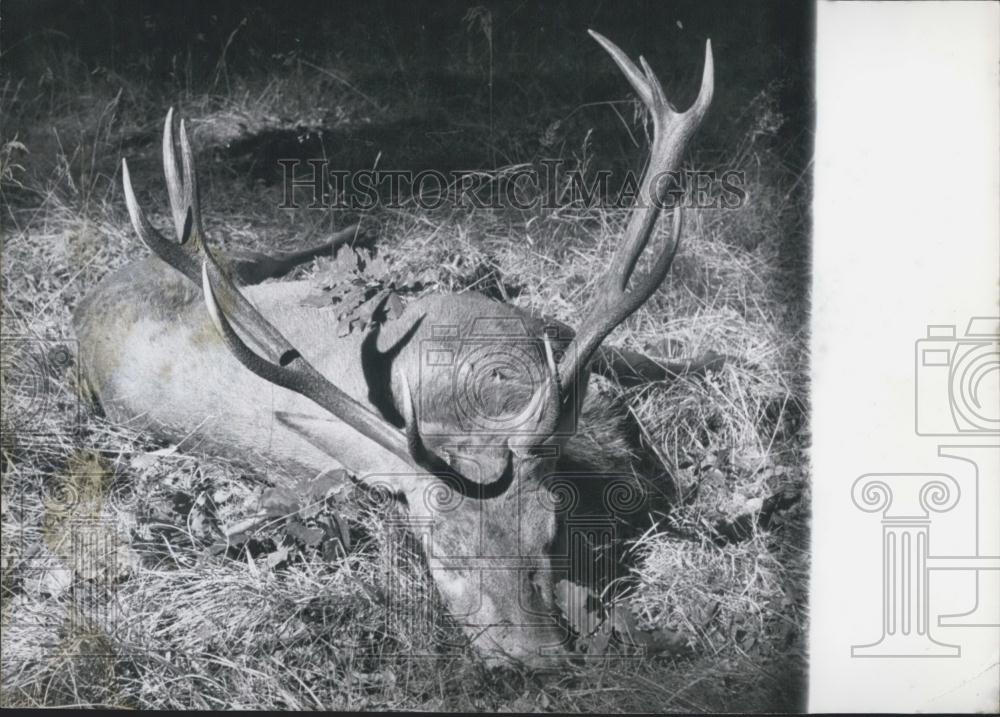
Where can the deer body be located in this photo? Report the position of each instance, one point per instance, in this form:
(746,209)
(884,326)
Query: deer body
(189,388)
(188,380)
(461,406)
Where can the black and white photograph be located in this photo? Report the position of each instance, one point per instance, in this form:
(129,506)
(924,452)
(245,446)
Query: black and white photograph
(460,357)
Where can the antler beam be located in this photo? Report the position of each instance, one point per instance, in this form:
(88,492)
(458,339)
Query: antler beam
(614,299)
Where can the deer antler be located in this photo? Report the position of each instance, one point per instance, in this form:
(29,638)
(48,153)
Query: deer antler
(278,361)
(614,300)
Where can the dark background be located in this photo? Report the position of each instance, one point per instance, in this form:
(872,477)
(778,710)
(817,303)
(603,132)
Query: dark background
(432,65)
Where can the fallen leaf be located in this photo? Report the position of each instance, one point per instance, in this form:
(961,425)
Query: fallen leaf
(150,458)
(319,300)
(572,600)
(393,306)
(278,502)
(278,557)
(305,535)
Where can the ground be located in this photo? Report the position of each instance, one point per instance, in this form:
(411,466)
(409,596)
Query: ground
(283,615)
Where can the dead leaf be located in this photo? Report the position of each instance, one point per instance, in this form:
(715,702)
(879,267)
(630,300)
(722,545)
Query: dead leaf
(317,301)
(664,640)
(305,535)
(377,267)
(572,601)
(393,306)
(55,581)
(599,642)
(622,620)
(344,327)
(355,283)
(148,459)
(278,557)
(278,502)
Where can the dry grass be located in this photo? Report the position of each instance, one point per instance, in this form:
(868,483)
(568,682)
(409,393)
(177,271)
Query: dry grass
(163,613)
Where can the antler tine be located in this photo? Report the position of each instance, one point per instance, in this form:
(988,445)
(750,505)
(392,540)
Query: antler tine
(414,443)
(182,254)
(707,89)
(671,131)
(183,192)
(260,331)
(552,406)
(614,301)
(170,252)
(191,198)
(174,187)
(185,255)
(628,68)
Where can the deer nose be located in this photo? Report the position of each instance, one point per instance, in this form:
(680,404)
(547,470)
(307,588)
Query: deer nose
(537,648)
